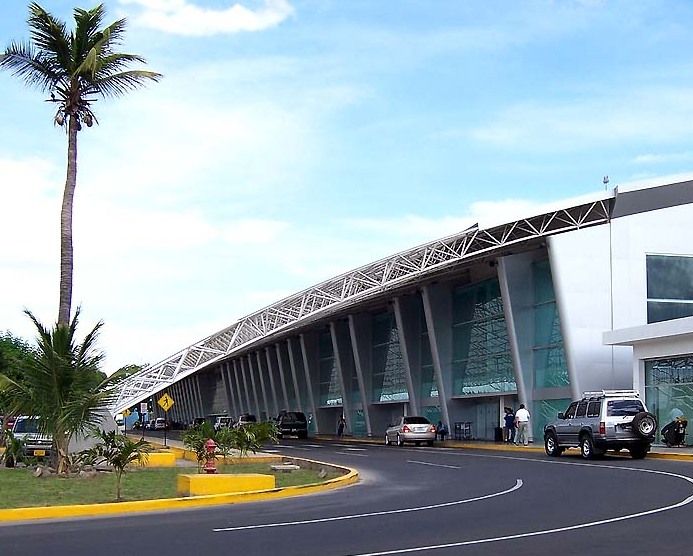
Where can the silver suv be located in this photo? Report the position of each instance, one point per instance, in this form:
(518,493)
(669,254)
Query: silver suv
(34,443)
(601,421)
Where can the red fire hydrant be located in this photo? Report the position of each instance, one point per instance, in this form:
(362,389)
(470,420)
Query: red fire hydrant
(210,457)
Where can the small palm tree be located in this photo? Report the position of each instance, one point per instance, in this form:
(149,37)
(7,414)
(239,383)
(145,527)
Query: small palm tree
(194,440)
(74,67)
(118,451)
(62,385)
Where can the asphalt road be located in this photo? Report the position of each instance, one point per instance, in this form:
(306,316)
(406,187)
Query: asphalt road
(413,501)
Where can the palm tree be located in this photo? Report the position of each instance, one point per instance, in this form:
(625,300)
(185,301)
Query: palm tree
(62,385)
(74,67)
(119,451)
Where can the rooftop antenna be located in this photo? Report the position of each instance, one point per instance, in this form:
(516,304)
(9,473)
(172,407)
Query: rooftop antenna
(605,181)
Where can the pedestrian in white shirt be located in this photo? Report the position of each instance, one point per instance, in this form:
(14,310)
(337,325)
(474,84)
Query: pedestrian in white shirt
(522,425)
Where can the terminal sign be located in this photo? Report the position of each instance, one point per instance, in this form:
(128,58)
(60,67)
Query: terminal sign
(165,402)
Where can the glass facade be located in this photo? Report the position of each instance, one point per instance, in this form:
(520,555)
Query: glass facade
(550,369)
(669,287)
(330,388)
(544,412)
(481,360)
(429,387)
(389,381)
(669,388)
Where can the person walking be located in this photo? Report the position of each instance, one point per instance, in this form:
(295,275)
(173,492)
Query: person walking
(522,424)
(509,426)
(340,426)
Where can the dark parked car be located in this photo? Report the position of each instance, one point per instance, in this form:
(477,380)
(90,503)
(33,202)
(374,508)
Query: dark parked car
(245,419)
(292,423)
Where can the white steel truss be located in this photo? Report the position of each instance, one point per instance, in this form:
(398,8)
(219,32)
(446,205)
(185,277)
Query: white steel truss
(350,288)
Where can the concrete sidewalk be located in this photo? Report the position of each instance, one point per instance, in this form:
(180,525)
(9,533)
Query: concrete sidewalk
(657,451)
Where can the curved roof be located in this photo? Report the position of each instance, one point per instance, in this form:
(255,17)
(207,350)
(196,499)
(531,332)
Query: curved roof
(354,287)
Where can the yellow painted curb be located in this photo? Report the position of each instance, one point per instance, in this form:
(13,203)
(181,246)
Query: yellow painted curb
(92,510)
(199,485)
(159,459)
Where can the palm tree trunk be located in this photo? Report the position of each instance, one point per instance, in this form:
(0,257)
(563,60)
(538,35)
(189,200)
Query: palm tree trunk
(61,447)
(66,225)
(119,475)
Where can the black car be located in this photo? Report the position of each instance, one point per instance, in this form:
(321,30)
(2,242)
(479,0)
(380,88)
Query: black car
(292,423)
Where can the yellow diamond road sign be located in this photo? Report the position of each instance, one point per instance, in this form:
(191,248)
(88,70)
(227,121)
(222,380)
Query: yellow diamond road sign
(126,413)
(166,402)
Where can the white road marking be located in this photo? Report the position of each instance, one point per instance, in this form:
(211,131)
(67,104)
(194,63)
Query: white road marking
(291,447)
(352,454)
(355,449)
(518,484)
(434,464)
(271,451)
(313,445)
(683,502)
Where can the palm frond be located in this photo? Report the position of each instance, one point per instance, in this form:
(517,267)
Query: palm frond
(32,67)
(120,83)
(49,35)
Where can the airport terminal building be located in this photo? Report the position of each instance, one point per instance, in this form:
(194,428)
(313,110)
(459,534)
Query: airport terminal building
(595,294)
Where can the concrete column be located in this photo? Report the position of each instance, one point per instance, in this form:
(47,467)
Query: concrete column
(360,346)
(340,348)
(263,385)
(190,399)
(253,384)
(246,384)
(294,377)
(242,401)
(227,389)
(283,369)
(509,315)
(406,333)
(198,391)
(308,346)
(270,374)
(437,307)
(232,389)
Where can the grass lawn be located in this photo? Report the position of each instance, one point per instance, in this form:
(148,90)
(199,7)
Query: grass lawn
(19,488)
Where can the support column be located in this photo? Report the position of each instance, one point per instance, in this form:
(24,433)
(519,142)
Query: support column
(362,360)
(509,315)
(227,389)
(243,402)
(406,335)
(294,376)
(232,390)
(344,367)
(262,384)
(270,374)
(198,391)
(244,375)
(435,303)
(309,382)
(253,385)
(282,376)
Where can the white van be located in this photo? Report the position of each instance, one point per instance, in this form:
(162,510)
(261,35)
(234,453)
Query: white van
(120,423)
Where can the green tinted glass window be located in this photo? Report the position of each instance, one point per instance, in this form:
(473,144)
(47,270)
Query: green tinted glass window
(389,382)
(669,287)
(330,387)
(550,368)
(481,361)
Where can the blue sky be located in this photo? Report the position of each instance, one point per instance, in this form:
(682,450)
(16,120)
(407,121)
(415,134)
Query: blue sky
(293,140)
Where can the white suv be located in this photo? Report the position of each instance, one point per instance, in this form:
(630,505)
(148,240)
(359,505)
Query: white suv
(601,421)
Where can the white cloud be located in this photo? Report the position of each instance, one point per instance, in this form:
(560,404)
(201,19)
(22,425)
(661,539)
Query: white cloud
(181,17)
(656,115)
(663,158)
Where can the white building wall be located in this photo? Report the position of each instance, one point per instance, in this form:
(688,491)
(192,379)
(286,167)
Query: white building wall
(595,265)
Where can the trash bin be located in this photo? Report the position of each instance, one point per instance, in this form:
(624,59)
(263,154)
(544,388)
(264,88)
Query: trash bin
(498,434)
